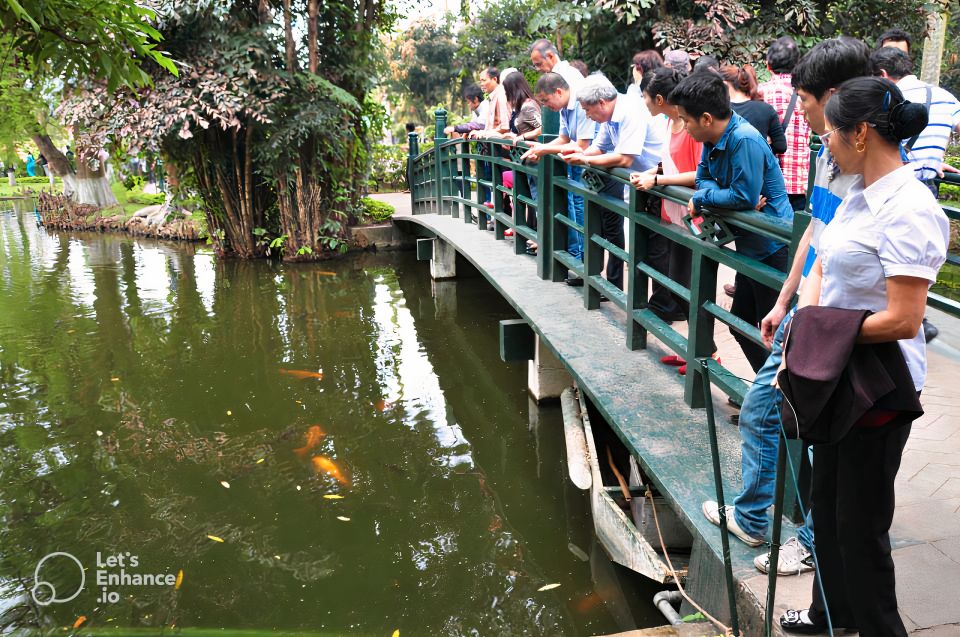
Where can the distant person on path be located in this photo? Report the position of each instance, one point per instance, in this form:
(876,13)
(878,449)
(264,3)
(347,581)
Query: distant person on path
(782,56)
(628,138)
(896,38)
(498,109)
(881,253)
(31,165)
(926,150)
(545,59)
(815,77)
(736,170)
(577,131)
(746,100)
(707,63)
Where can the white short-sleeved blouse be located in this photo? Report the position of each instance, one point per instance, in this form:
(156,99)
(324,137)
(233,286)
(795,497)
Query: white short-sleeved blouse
(893,228)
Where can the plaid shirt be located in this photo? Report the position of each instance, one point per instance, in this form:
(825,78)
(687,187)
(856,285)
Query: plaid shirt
(795,163)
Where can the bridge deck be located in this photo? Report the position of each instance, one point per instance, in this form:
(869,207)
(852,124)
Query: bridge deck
(643,401)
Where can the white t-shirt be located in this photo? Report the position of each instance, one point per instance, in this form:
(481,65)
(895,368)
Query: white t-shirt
(927,153)
(893,228)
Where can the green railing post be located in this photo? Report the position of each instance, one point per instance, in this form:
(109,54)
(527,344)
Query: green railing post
(439,157)
(703,288)
(636,284)
(413,149)
(550,127)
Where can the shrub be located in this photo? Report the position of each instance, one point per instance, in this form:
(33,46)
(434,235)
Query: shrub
(377,210)
(388,166)
(146,199)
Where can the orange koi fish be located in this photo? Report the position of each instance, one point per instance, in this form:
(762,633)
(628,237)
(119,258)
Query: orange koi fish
(312,438)
(301,373)
(322,464)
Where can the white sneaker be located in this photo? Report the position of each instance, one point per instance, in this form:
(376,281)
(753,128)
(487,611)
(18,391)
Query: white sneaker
(794,559)
(712,511)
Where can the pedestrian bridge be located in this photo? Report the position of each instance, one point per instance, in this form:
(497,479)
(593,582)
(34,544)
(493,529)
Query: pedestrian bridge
(612,351)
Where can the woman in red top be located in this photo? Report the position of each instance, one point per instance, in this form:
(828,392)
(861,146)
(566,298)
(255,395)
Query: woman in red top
(678,167)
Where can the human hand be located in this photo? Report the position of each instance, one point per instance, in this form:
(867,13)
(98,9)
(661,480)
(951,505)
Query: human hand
(947,168)
(642,181)
(691,208)
(574,159)
(532,154)
(770,323)
(761,203)
(448,130)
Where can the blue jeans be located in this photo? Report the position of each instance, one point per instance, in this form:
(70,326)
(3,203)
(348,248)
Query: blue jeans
(760,440)
(575,212)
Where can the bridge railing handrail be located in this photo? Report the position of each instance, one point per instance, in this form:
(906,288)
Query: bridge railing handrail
(444,180)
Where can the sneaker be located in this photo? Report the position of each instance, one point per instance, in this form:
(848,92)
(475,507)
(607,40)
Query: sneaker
(794,559)
(712,513)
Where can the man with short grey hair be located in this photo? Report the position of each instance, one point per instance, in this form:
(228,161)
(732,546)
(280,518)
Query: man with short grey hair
(629,137)
(546,59)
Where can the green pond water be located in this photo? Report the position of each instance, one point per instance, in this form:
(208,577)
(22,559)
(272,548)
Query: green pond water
(162,411)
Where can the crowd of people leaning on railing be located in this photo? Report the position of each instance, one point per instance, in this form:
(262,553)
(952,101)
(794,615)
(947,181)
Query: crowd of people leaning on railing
(876,242)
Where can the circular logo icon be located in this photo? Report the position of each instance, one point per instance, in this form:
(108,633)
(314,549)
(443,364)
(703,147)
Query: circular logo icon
(43,585)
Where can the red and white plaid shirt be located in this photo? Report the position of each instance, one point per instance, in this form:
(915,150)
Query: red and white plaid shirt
(795,163)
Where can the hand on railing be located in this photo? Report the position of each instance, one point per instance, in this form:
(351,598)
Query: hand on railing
(533,153)
(574,158)
(644,180)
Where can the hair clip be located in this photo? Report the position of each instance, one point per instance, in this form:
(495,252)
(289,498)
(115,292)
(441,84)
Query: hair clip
(886,101)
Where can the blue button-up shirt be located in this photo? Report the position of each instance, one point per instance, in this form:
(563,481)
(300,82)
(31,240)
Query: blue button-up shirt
(734,173)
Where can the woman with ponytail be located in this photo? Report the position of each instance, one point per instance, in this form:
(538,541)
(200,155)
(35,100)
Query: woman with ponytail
(881,253)
(746,100)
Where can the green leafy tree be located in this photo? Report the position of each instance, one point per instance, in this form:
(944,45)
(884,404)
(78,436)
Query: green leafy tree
(424,67)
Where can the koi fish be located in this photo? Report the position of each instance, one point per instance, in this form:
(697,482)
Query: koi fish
(81,620)
(588,603)
(322,464)
(179,581)
(302,374)
(312,438)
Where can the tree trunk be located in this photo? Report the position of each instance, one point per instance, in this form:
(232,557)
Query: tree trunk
(89,185)
(288,38)
(933,46)
(56,161)
(313,9)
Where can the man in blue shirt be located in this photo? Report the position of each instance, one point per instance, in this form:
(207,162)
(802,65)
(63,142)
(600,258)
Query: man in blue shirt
(737,170)
(629,137)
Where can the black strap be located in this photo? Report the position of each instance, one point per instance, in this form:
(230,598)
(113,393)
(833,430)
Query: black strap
(789,114)
(913,140)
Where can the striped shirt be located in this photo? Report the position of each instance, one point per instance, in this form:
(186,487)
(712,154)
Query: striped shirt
(795,163)
(829,189)
(927,152)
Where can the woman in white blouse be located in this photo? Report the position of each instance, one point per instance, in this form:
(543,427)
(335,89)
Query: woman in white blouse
(881,252)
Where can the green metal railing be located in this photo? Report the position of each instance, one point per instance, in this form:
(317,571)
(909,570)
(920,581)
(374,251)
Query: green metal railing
(445,180)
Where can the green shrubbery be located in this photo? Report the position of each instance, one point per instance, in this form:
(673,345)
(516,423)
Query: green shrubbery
(388,167)
(376,210)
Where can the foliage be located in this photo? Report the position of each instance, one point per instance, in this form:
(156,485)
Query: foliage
(110,41)
(264,143)
(388,166)
(378,210)
(423,66)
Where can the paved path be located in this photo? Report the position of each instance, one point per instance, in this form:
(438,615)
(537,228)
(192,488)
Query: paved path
(926,527)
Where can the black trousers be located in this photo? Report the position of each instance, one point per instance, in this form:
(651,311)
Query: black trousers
(751,302)
(852,502)
(611,229)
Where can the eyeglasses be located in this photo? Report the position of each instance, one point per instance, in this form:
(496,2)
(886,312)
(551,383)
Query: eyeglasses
(825,137)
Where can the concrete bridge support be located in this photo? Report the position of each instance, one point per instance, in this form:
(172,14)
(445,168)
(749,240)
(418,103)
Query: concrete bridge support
(547,377)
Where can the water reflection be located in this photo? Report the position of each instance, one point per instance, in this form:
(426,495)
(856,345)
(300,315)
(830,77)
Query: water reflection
(143,410)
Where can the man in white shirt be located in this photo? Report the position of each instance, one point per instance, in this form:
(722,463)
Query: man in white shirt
(545,59)
(926,150)
(628,138)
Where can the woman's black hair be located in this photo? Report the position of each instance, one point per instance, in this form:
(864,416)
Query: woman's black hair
(517,90)
(879,102)
(661,81)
